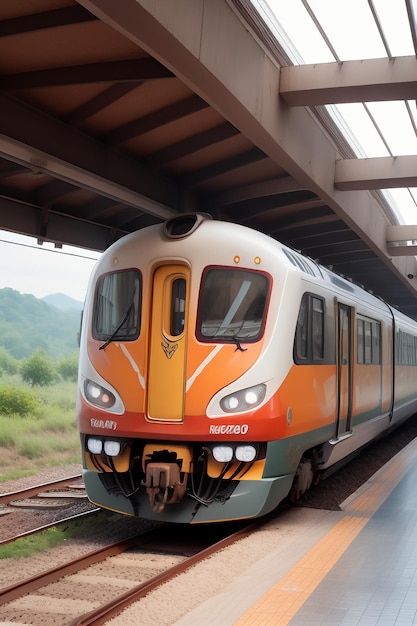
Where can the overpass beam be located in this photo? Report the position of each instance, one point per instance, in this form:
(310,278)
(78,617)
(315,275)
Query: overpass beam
(402,240)
(376,173)
(372,80)
(208,46)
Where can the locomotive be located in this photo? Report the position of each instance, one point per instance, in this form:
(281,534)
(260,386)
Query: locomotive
(222,372)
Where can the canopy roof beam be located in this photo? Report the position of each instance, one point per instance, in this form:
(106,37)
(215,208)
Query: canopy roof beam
(372,80)
(377,173)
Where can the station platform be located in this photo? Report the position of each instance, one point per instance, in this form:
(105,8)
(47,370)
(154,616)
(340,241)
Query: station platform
(356,566)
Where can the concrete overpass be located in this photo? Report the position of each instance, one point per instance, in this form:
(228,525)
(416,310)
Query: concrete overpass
(117,115)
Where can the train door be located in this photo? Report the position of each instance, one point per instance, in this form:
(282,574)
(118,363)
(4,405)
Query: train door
(167,344)
(344,369)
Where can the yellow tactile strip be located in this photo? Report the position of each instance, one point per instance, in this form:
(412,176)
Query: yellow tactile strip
(374,492)
(281,603)
(283,600)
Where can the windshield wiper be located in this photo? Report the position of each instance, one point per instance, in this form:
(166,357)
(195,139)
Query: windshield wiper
(235,341)
(118,327)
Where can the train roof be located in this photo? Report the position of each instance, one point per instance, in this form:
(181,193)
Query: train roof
(181,227)
(311,268)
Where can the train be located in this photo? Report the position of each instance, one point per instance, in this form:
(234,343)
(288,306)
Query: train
(222,372)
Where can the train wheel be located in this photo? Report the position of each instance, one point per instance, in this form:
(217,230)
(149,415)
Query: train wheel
(303,479)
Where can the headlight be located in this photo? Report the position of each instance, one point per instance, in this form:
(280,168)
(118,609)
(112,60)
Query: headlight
(245,454)
(112,448)
(95,446)
(98,395)
(223,454)
(236,452)
(244,399)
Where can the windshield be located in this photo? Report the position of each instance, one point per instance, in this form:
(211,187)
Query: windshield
(232,304)
(117,304)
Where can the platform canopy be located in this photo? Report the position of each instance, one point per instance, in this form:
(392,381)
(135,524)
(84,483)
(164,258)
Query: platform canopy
(297,118)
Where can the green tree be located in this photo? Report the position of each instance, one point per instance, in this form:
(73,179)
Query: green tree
(13,343)
(68,368)
(7,363)
(38,370)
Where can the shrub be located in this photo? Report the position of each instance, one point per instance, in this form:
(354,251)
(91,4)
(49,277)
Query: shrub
(14,401)
(38,370)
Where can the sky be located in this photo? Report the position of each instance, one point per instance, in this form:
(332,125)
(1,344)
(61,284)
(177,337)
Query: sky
(44,270)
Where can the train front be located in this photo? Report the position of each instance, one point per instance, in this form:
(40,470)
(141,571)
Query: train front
(176,400)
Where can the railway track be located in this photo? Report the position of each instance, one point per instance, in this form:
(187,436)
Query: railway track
(43,506)
(37,529)
(132,573)
(94,588)
(71,482)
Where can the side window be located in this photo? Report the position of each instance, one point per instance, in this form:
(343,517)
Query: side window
(317,328)
(301,333)
(376,343)
(398,348)
(368,342)
(117,306)
(361,340)
(405,348)
(368,336)
(309,334)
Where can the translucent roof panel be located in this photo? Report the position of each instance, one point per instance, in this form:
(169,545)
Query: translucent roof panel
(295,30)
(350,27)
(355,29)
(404,202)
(364,131)
(394,122)
(323,31)
(393,17)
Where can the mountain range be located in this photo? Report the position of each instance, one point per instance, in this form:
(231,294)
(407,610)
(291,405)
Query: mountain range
(28,324)
(63,302)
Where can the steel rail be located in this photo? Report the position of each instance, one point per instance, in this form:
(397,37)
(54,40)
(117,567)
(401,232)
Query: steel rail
(5,498)
(39,529)
(105,612)
(28,585)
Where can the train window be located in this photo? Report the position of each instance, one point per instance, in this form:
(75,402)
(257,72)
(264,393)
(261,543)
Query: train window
(232,304)
(376,343)
(309,334)
(361,343)
(405,348)
(368,341)
(117,306)
(178,307)
(299,261)
(301,335)
(317,328)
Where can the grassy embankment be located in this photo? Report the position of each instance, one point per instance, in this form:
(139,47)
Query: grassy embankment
(45,437)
